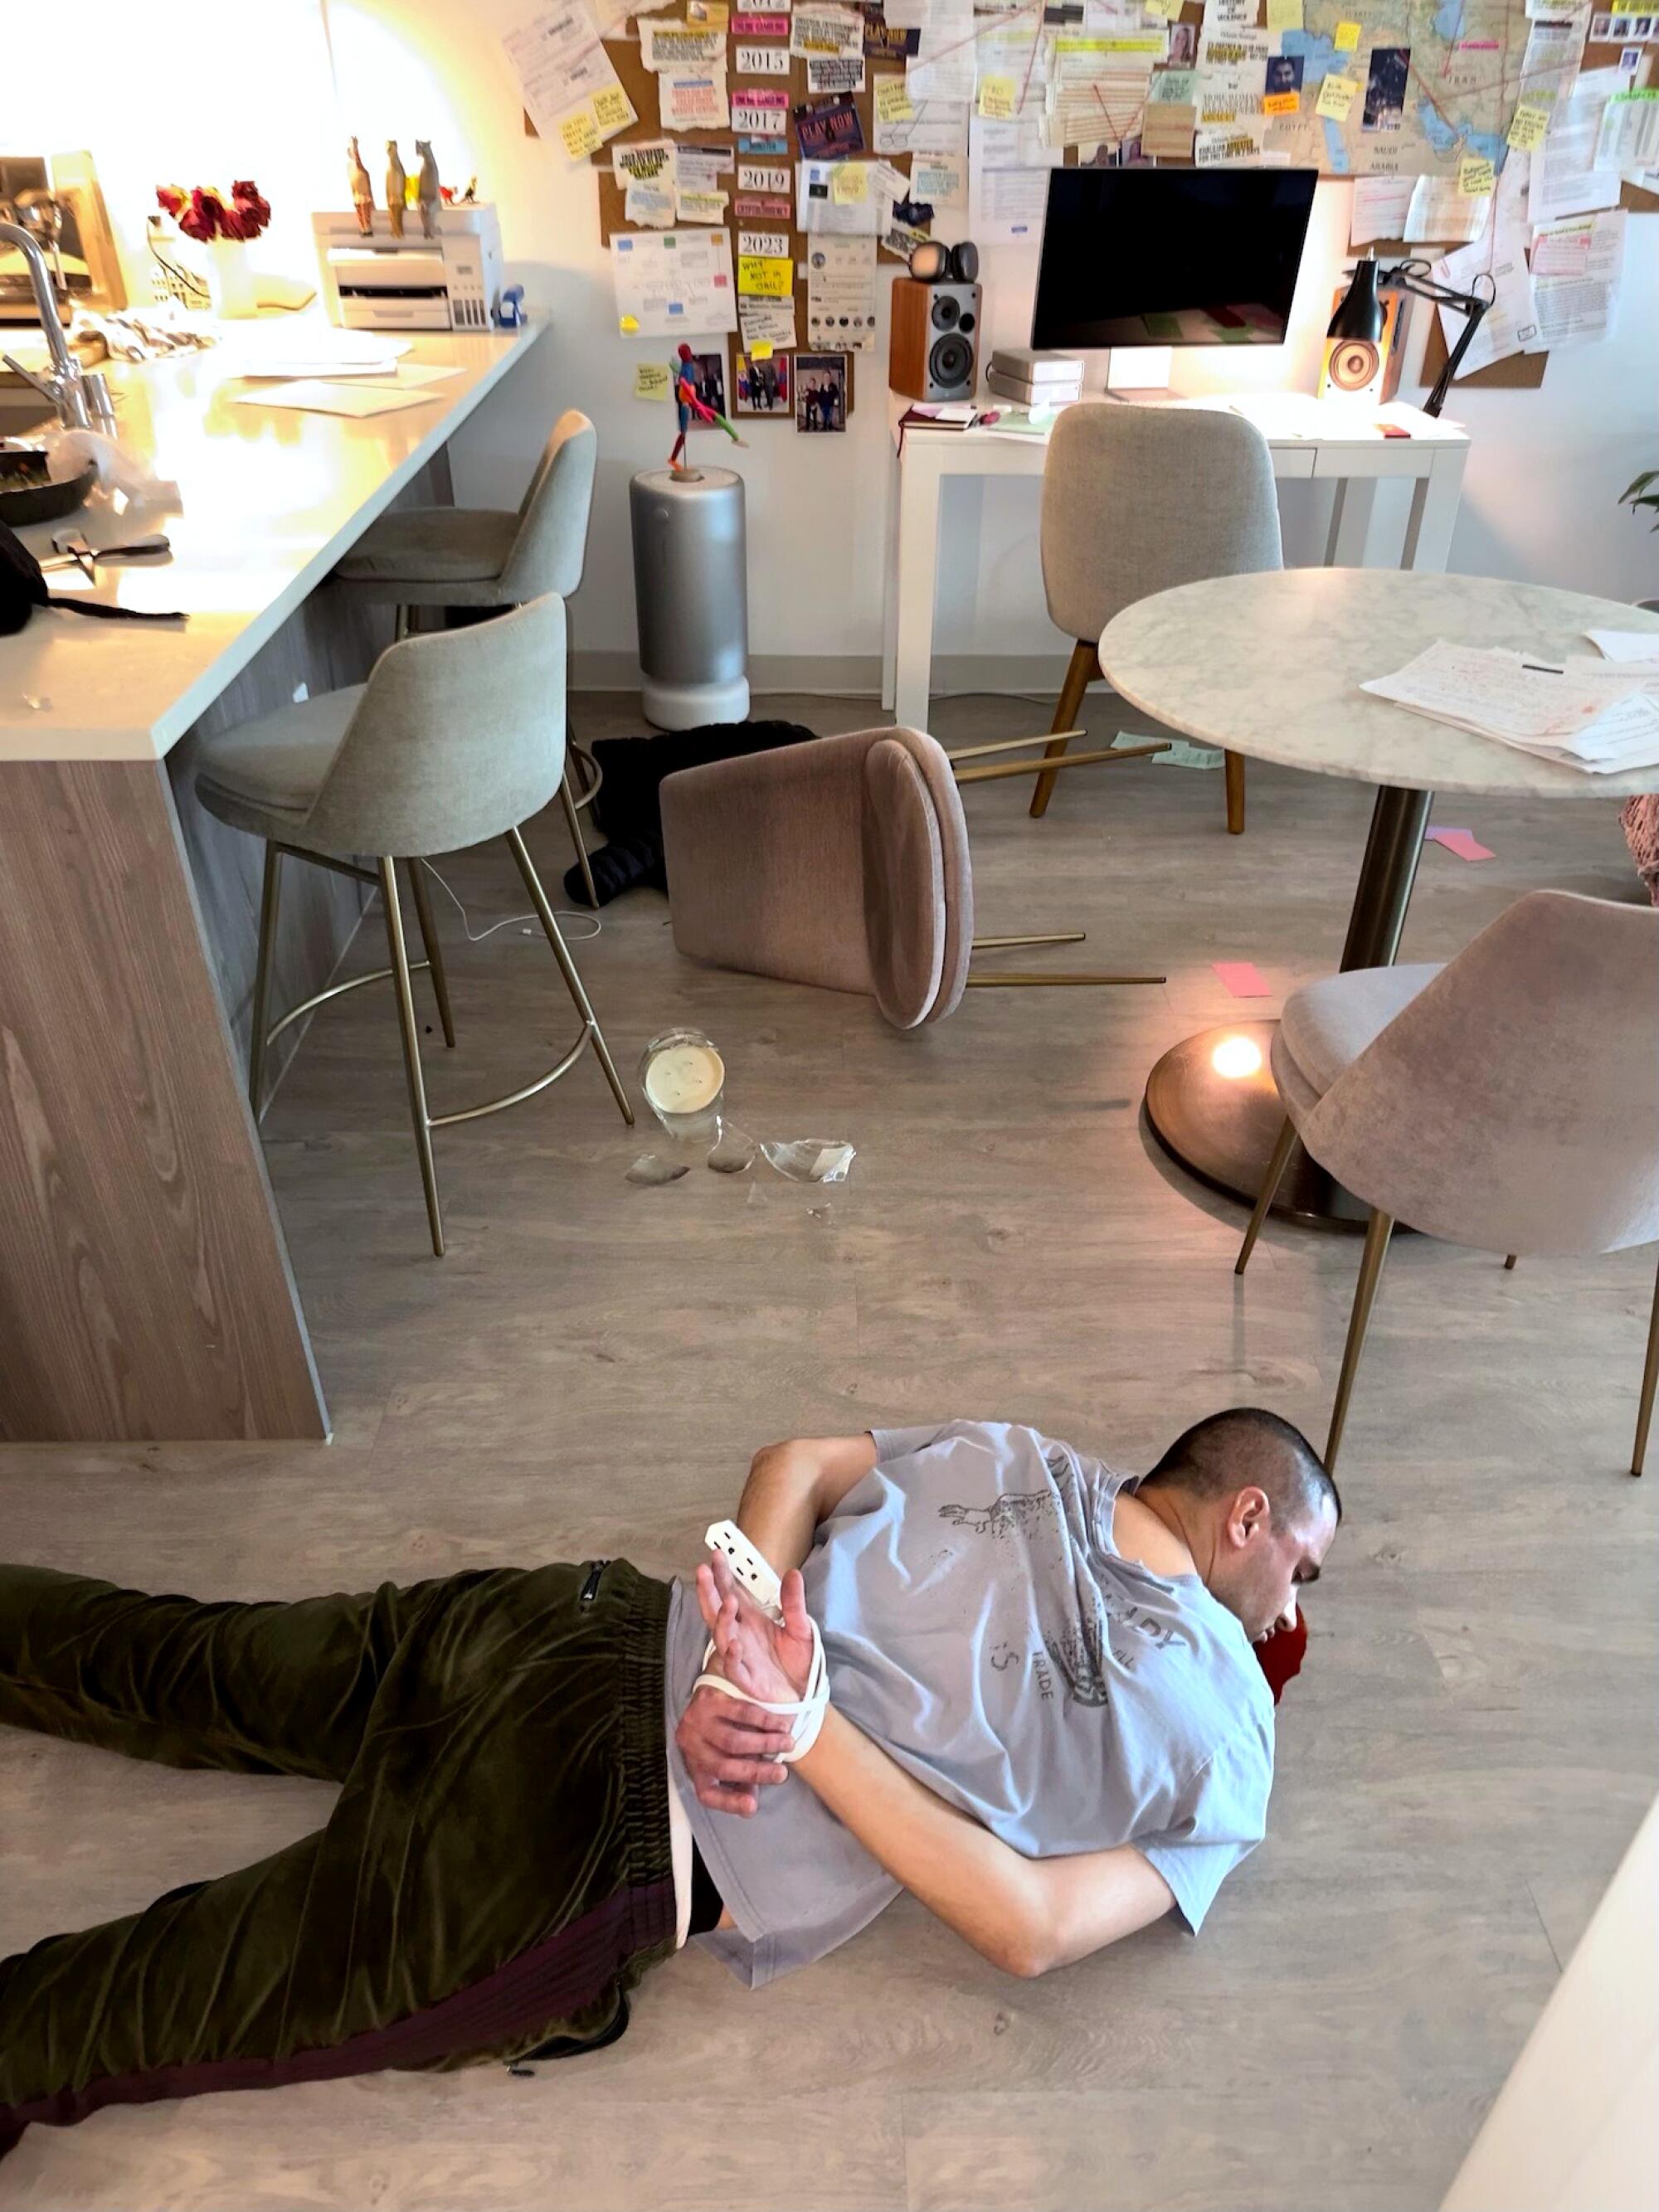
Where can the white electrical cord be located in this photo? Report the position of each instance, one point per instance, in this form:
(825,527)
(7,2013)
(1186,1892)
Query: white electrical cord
(476,937)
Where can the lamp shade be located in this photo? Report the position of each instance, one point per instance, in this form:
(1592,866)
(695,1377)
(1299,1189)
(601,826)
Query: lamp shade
(1361,314)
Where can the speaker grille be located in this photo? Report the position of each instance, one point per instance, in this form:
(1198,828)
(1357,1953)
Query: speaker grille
(951,361)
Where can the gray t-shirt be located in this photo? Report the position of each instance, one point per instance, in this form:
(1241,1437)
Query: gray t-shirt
(983,1628)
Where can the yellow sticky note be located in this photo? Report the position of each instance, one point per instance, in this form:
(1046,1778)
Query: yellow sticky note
(1168,9)
(893,101)
(1476,176)
(1281,103)
(612,109)
(1337,95)
(849,184)
(763,277)
(713,14)
(1527,126)
(580,134)
(998,98)
(652,379)
(1284,15)
(761,352)
(1347,38)
(628,325)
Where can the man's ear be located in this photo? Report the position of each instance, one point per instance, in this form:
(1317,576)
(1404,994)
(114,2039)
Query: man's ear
(1250,1510)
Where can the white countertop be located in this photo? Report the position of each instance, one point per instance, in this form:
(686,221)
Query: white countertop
(1271,664)
(269,500)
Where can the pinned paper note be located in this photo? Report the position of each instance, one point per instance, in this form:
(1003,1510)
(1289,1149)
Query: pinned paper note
(849,184)
(652,379)
(893,100)
(1284,15)
(765,278)
(1477,178)
(1168,9)
(761,352)
(1337,95)
(1529,127)
(1463,842)
(1242,978)
(1346,38)
(580,133)
(612,109)
(999,100)
(1281,103)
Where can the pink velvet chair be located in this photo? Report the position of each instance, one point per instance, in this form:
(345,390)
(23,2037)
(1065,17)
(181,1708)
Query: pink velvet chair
(1508,1100)
(842,863)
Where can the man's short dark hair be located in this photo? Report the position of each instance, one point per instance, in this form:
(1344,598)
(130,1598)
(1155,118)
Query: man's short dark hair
(1220,1455)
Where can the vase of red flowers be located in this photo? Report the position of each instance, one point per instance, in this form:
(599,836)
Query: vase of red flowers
(223,223)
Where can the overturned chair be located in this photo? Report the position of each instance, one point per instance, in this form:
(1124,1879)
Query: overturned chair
(843,864)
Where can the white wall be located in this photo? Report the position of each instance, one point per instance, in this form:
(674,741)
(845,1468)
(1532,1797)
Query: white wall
(1544,475)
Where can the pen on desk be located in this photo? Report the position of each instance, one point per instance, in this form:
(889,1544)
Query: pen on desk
(1542,668)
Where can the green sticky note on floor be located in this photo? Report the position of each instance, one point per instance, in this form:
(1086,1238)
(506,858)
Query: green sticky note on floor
(1180,755)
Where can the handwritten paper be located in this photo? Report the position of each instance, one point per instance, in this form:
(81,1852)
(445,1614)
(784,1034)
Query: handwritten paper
(562,69)
(652,379)
(893,103)
(1529,127)
(1337,95)
(670,283)
(1346,38)
(1477,178)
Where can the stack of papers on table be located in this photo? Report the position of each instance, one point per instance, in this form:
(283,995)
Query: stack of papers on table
(1585,713)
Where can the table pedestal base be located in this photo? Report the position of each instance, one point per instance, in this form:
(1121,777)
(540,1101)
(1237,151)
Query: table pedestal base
(1222,1128)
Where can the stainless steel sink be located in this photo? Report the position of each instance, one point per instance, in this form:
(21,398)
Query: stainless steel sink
(22,411)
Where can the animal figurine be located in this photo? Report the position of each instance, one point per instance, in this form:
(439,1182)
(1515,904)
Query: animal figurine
(427,189)
(397,185)
(362,193)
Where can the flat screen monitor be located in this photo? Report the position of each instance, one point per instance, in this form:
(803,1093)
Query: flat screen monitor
(1169,257)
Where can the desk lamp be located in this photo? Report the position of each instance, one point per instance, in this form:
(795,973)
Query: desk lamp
(1356,328)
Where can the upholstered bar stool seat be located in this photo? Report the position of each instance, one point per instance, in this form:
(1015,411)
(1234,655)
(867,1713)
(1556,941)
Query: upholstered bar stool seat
(430,557)
(456,738)
(1326,1025)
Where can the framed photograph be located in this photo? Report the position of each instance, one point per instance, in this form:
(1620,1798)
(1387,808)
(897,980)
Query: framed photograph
(1183,44)
(763,390)
(707,373)
(1601,30)
(823,391)
(1386,87)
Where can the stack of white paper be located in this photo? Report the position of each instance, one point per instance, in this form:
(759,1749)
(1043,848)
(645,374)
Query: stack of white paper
(1582,712)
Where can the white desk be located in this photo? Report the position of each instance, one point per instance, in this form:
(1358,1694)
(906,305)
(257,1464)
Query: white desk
(1331,439)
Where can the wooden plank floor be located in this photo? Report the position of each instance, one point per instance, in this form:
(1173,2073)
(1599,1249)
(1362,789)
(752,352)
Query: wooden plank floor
(1461,1765)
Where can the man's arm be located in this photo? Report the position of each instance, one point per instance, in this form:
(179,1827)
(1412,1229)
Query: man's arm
(792,1487)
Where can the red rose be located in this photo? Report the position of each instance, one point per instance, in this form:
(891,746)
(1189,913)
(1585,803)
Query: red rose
(170,198)
(250,204)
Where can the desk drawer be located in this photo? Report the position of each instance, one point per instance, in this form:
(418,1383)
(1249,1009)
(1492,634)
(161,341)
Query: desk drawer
(1388,457)
(1294,460)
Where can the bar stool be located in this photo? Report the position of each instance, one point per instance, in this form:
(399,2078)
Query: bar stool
(488,557)
(456,738)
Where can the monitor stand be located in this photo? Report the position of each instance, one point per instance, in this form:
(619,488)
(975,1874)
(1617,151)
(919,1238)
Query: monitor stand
(1140,372)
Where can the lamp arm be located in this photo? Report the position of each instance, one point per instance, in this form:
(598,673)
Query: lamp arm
(1414,276)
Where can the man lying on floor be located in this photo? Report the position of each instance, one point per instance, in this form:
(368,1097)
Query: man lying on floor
(1045,1720)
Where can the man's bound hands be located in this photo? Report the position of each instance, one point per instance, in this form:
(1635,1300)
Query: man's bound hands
(731,1749)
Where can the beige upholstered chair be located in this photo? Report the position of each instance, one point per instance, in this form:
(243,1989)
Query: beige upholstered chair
(459,556)
(1137,499)
(456,738)
(1508,1100)
(842,863)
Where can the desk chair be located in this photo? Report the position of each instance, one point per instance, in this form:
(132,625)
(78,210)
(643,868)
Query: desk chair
(842,863)
(488,557)
(1136,500)
(1508,1100)
(456,738)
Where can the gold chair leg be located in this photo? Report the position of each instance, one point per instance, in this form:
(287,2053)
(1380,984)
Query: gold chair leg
(1650,1376)
(1079,675)
(434,954)
(1510,1262)
(572,981)
(1061,937)
(410,1031)
(1378,1230)
(567,800)
(1232,767)
(260,1017)
(1265,1196)
(401,625)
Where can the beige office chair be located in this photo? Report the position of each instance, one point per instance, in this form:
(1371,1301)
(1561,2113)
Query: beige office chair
(1508,1100)
(456,738)
(1136,500)
(842,863)
(462,556)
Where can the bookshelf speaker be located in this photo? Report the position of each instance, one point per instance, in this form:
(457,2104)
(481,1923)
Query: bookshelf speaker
(934,348)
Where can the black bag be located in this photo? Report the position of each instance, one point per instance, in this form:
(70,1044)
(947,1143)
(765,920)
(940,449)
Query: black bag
(23,588)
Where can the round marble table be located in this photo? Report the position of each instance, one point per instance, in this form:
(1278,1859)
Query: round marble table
(1270,666)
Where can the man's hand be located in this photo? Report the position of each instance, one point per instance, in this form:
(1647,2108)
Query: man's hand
(757,1654)
(731,1751)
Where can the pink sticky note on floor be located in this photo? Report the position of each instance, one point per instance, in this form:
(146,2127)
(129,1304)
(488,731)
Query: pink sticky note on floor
(1463,842)
(1242,978)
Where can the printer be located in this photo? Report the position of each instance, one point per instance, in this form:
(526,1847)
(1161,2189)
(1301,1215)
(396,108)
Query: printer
(380,282)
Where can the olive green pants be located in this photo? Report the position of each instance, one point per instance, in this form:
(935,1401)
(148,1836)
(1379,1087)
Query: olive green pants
(496,1871)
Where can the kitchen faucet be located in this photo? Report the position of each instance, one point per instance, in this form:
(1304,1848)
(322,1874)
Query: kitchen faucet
(81,400)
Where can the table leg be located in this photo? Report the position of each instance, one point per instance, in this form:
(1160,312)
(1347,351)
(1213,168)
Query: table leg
(1212,1101)
(1350,522)
(1434,512)
(918,566)
(890,578)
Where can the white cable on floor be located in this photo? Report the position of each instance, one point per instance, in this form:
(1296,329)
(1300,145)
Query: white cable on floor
(560,913)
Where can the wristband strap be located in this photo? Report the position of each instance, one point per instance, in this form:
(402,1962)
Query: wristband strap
(806,1714)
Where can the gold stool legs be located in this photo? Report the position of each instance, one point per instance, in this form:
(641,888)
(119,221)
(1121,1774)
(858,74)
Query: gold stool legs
(434,957)
(1378,1230)
(411,1033)
(572,981)
(567,800)
(1650,1377)
(261,1014)
(1264,1197)
(1082,672)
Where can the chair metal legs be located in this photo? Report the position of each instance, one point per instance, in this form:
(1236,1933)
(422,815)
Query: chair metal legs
(434,957)
(572,981)
(1083,669)
(411,1033)
(261,1014)
(1264,1197)
(1650,1377)
(1378,1230)
(568,801)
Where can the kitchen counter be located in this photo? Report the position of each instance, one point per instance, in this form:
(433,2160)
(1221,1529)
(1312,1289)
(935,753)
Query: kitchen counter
(269,500)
